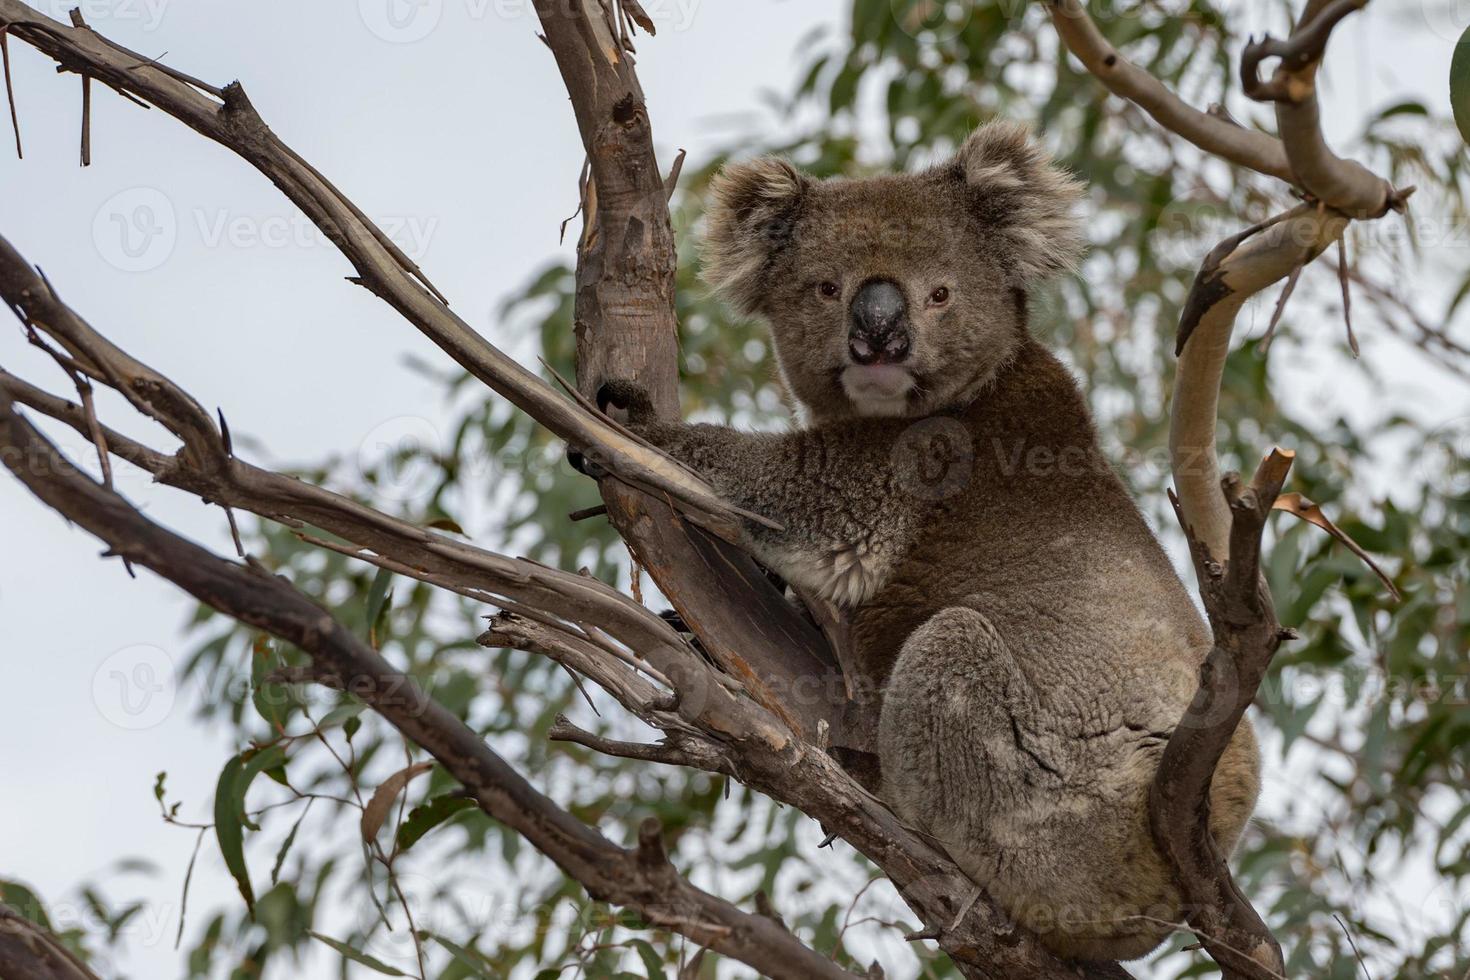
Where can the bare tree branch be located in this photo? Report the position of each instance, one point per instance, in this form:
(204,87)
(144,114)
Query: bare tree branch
(444,562)
(1240,267)
(9,89)
(624,681)
(1246,638)
(641,878)
(1222,519)
(1237,269)
(206,469)
(30,952)
(226,116)
(673,751)
(626,329)
(1345,185)
(1211,133)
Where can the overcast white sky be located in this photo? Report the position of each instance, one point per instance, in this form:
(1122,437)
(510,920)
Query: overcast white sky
(446,121)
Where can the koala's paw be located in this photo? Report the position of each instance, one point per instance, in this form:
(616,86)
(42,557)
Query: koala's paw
(633,401)
(628,396)
(580,462)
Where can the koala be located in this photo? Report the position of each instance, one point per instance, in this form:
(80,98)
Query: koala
(1033,645)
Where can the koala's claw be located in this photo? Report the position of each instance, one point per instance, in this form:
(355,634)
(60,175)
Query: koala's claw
(583,465)
(625,395)
(628,396)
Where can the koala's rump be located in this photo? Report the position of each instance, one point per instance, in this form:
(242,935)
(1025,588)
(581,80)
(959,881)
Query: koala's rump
(1039,788)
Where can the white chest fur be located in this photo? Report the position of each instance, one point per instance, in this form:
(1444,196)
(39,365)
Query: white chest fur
(846,576)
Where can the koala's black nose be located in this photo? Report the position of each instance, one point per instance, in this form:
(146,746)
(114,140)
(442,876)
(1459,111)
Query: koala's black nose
(880,329)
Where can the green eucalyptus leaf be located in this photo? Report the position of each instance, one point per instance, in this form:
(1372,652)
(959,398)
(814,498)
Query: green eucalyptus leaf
(286,844)
(377,605)
(229,826)
(1460,84)
(357,956)
(25,901)
(653,964)
(426,816)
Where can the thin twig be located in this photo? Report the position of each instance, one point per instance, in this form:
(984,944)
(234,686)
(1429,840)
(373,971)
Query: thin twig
(9,87)
(1353,944)
(86,120)
(1347,293)
(581,197)
(1286,292)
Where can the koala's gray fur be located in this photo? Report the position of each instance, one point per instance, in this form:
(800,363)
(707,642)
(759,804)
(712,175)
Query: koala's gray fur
(1035,646)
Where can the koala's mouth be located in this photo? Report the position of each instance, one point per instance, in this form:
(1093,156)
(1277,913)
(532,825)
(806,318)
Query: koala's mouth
(878,389)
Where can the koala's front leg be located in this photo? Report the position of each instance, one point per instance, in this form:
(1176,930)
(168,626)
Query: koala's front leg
(844,512)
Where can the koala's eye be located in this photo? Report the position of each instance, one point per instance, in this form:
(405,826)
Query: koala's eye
(828,289)
(940,296)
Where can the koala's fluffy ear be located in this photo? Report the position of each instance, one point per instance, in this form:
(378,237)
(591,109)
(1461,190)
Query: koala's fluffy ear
(1023,193)
(753,207)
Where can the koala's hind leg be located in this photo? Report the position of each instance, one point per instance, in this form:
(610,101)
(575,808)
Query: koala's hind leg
(958,760)
(973,754)
(954,731)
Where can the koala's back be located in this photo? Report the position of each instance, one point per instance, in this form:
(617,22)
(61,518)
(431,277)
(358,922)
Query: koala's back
(1044,650)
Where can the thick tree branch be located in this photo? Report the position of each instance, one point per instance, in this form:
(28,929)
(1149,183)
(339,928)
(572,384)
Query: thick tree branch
(640,878)
(1247,636)
(1222,137)
(1223,520)
(1237,269)
(626,328)
(207,468)
(30,952)
(1345,185)
(226,116)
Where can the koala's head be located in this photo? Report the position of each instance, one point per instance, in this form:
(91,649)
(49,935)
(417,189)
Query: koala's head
(901,294)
